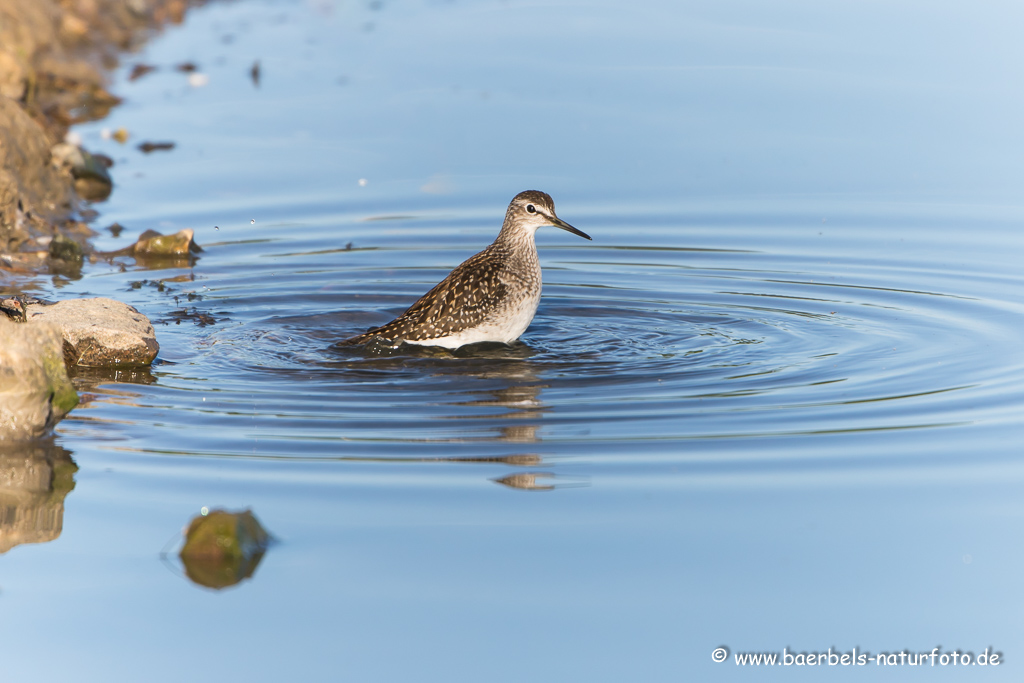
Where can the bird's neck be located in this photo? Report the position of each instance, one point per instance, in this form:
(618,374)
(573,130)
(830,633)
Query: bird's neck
(519,250)
(516,238)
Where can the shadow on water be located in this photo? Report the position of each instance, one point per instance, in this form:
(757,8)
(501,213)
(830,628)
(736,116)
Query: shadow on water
(34,481)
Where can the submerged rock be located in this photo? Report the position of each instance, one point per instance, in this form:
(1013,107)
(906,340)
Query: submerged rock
(99,332)
(222,548)
(34,480)
(35,392)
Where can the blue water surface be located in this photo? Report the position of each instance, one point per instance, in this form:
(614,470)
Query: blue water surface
(776,403)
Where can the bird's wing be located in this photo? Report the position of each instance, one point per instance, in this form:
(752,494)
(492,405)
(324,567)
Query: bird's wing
(462,300)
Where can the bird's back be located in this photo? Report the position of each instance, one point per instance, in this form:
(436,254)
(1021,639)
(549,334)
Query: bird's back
(475,295)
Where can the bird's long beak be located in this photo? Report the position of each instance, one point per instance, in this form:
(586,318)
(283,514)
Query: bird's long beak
(559,223)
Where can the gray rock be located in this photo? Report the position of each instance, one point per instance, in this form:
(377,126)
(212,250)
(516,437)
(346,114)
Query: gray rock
(35,392)
(99,332)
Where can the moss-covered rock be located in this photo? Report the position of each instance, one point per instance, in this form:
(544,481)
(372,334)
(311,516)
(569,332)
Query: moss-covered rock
(152,243)
(222,548)
(35,392)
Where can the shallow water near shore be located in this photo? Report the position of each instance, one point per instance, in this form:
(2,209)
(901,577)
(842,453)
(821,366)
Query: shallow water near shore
(776,403)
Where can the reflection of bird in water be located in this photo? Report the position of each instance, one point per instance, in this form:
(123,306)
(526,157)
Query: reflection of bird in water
(511,386)
(527,481)
(491,297)
(522,404)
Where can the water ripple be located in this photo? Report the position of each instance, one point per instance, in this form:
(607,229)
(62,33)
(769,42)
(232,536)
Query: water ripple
(631,344)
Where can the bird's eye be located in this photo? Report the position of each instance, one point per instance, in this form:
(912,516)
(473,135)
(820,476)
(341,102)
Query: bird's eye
(530,209)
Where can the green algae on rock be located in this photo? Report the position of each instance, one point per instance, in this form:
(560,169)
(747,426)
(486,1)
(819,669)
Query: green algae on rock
(155,250)
(35,392)
(222,548)
(152,243)
(65,249)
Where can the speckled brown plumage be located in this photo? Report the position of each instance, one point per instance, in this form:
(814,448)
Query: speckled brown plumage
(492,296)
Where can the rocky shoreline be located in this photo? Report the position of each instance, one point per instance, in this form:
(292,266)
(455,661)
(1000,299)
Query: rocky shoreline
(54,55)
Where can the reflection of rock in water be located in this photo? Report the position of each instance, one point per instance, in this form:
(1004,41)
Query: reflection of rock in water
(94,379)
(34,479)
(222,548)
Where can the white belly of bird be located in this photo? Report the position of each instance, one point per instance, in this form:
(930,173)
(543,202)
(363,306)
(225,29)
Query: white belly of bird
(505,326)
